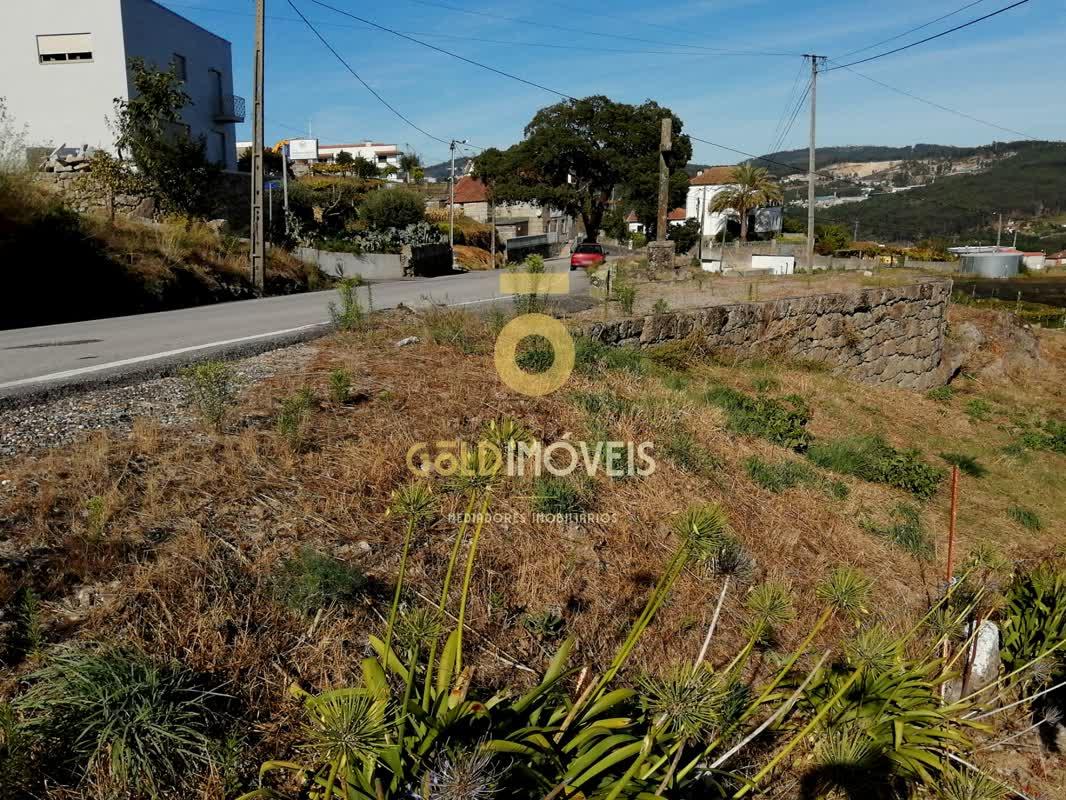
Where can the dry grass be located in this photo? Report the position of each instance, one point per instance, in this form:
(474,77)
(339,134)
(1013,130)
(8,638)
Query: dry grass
(197,523)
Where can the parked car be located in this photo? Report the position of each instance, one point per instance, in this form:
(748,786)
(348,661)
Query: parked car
(587,256)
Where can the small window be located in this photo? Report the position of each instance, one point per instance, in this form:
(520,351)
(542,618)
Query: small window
(179,67)
(61,47)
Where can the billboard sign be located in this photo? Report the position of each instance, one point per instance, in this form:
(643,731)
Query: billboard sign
(303,149)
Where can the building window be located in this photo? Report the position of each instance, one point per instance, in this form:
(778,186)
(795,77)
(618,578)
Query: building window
(62,47)
(179,67)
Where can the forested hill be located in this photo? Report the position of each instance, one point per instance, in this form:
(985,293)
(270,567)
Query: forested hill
(827,156)
(442,170)
(1029,186)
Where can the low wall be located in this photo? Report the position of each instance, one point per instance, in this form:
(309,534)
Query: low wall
(420,260)
(889,336)
(371,266)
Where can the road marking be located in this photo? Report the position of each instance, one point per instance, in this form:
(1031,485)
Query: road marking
(73,373)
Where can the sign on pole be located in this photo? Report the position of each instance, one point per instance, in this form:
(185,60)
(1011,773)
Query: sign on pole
(303,149)
(271,185)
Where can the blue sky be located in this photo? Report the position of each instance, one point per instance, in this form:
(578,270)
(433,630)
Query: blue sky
(1006,70)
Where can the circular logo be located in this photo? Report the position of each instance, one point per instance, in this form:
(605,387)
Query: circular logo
(541,383)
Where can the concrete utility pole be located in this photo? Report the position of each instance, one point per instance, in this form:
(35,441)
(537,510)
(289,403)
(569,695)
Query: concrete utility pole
(451,198)
(258,252)
(999,230)
(811,161)
(285,184)
(665,143)
(855,235)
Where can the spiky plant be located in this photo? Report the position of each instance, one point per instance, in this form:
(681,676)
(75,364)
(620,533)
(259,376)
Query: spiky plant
(462,775)
(347,728)
(771,607)
(703,529)
(970,786)
(688,701)
(507,432)
(418,628)
(945,625)
(847,760)
(845,591)
(872,650)
(415,503)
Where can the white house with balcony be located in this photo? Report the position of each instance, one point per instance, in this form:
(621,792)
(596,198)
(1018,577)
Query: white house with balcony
(378,153)
(65,61)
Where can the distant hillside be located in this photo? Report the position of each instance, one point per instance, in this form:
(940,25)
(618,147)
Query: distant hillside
(1028,188)
(442,170)
(827,156)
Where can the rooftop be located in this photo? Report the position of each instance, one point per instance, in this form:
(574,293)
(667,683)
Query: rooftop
(713,176)
(470,190)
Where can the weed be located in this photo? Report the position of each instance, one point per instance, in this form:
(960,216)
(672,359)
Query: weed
(660,306)
(679,354)
(905,530)
(531,303)
(497,320)
(545,625)
(1048,435)
(120,722)
(978,409)
(941,394)
(592,356)
(96,516)
(311,580)
(29,621)
(676,382)
(211,386)
(557,496)
(966,464)
(293,418)
(1025,517)
(765,383)
(605,403)
(783,423)
(350,315)
(872,459)
(454,327)
(684,450)
(626,295)
(535,354)
(340,386)
(779,476)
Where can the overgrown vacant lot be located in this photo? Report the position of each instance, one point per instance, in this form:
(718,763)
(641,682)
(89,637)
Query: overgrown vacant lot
(259,555)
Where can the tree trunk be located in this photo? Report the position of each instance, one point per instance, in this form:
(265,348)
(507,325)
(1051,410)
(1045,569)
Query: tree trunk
(593,219)
(744,225)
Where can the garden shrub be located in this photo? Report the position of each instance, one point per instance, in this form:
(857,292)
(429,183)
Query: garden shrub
(872,459)
(782,422)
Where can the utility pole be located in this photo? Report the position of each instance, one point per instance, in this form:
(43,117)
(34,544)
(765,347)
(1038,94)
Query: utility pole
(855,235)
(811,162)
(285,184)
(451,198)
(665,143)
(701,215)
(258,251)
(999,230)
(492,232)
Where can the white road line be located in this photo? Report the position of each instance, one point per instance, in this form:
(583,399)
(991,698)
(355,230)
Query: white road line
(72,373)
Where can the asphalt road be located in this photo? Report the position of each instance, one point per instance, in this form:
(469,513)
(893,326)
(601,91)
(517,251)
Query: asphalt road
(53,359)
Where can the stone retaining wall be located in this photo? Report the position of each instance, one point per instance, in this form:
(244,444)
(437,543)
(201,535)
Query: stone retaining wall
(890,336)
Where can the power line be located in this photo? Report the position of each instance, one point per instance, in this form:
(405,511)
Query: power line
(780,141)
(504,73)
(359,78)
(930,38)
(912,30)
(788,105)
(954,111)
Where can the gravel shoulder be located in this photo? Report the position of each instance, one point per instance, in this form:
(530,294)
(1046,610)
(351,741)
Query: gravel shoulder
(62,420)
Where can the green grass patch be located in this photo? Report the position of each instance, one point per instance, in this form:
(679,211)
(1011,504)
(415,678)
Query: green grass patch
(941,394)
(782,422)
(978,409)
(1025,517)
(778,476)
(686,452)
(765,383)
(1049,435)
(555,495)
(592,356)
(311,580)
(905,530)
(966,464)
(535,354)
(872,459)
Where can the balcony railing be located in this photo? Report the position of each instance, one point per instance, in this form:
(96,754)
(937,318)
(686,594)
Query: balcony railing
(230,108)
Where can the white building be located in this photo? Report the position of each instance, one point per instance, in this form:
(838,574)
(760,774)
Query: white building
(65,62)
(702,189)
(379,153)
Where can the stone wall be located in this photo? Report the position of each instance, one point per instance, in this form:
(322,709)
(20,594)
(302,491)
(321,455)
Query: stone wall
(889,336)
(420,260)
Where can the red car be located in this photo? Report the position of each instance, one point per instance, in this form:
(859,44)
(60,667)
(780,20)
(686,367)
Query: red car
(587,256)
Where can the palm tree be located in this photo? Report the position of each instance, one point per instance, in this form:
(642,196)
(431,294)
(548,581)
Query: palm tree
(750,188)
(409,163)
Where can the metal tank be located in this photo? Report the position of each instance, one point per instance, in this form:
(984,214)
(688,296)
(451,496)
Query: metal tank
(991,265)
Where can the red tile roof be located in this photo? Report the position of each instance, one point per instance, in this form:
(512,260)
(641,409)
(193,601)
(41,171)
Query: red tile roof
(713,176)
(677,214)
(470,190)
(632,217)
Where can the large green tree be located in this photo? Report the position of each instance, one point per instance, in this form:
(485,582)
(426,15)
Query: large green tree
(578,154)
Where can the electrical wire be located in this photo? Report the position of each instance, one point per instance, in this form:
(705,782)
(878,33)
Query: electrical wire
(954,111)
(359,78)
(912,30)
(788,105)
(930,38)
(780,141)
